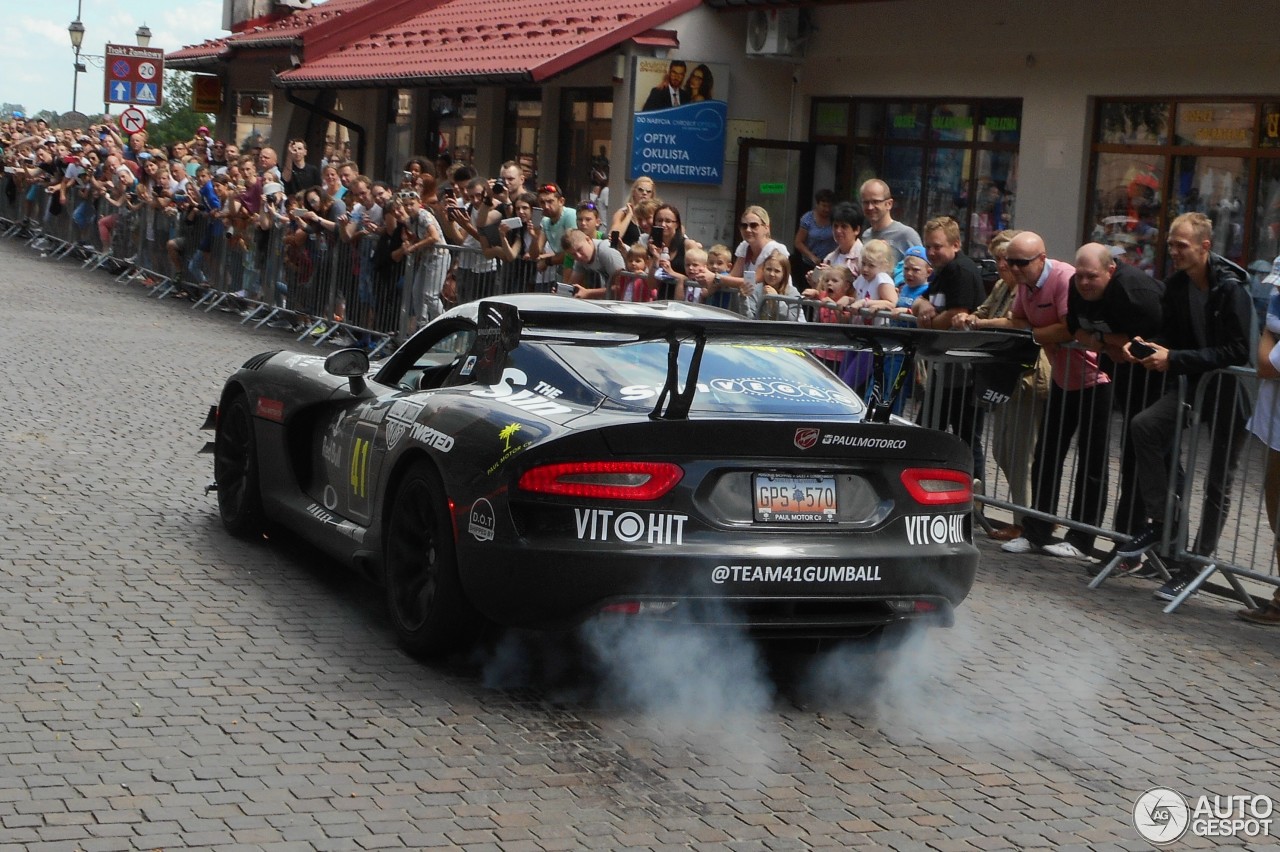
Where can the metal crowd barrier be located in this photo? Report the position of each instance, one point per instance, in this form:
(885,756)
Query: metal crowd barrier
(324,287)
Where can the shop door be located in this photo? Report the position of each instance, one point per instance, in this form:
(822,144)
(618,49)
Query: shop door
(781,177)
(586,140)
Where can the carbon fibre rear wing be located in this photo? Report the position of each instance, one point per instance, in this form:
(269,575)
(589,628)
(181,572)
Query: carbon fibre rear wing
(502,325)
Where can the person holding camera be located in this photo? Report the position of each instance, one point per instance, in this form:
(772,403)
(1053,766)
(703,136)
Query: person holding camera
(1208,325)
(469,216)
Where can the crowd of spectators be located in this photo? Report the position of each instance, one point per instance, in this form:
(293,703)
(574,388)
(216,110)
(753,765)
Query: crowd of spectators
(386,255)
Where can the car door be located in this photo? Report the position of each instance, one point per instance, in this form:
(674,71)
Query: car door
(357,439)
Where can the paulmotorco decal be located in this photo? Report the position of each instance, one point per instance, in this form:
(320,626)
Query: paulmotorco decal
(808,438)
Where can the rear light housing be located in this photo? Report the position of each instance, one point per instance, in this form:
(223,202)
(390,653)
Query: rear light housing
(638,608)
(930,486)
(603,480)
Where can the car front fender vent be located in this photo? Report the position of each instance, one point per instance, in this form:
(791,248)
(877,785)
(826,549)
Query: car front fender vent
(256,362)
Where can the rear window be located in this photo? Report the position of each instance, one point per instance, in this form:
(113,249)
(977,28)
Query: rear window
(732,378)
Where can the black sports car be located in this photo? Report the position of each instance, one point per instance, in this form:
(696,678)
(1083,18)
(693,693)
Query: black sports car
(535,461)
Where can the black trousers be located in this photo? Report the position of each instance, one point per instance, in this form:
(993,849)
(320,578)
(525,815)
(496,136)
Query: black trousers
(1085,415)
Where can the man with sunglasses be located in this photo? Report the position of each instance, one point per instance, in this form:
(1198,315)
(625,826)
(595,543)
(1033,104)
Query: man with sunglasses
(1208,325)
(1079,401)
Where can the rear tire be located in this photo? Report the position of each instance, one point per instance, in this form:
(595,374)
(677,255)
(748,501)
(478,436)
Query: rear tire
(429,612)
(235,469)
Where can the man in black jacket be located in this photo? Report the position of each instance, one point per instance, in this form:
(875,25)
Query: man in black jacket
(1109,304)
(1208,325)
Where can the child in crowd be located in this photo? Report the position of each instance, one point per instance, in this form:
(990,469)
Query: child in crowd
(589,221)
(695,264)
(874,289)
(916,270)
(835,291)
(643,214)
(635,283)
(773,278)
(719,261)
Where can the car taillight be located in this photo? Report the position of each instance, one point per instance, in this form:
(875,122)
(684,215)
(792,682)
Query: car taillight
(938,486)
(606,480)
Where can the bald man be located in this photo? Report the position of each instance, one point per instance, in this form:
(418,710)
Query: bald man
(877,207)
(1111,303)
(1079,401)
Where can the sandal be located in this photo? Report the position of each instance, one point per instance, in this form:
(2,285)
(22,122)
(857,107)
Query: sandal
(1268,615)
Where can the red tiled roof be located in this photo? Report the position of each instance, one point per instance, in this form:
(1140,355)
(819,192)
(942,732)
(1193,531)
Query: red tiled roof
(279,32)
(473,41)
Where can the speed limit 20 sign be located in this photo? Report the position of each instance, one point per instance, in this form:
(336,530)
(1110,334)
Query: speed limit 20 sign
(134,75)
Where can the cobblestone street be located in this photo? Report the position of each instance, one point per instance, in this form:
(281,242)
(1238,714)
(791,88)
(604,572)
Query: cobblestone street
(164,685)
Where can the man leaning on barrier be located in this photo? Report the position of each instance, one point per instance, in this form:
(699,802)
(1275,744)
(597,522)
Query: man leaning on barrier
(1079,402)
(1110,303)
(1208,324)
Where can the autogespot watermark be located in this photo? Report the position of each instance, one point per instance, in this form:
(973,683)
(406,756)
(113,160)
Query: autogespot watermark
(1163,816)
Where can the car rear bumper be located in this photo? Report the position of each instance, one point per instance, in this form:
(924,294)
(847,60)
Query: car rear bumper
(786,588)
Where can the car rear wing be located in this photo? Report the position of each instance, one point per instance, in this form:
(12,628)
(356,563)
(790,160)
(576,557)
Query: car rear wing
(501,326)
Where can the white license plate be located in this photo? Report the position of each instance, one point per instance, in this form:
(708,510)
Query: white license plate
(780,498)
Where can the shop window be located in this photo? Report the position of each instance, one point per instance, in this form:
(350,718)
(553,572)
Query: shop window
(1216,125)
(940,157)
(1154,160)
(830,119)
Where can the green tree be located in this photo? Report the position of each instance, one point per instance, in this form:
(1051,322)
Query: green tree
(7,110)
(175,120)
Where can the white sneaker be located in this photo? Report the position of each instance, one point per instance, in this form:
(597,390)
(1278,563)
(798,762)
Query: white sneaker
(1066,550)
(1018,545)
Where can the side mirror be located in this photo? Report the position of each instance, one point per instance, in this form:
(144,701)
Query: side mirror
(351,363)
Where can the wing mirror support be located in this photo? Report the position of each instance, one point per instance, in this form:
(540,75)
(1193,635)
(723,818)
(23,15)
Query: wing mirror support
(352,364)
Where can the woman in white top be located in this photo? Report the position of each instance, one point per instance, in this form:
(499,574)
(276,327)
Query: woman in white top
(757,244)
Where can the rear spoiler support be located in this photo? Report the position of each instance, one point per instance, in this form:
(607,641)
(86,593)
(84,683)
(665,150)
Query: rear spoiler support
(681,398)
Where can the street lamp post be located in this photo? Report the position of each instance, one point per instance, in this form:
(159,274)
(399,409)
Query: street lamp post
(76,31)
(77,38)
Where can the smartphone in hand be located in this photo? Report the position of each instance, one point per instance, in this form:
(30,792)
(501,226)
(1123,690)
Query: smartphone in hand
(1138,349)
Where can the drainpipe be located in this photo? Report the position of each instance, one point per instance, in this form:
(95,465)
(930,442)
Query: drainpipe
(334,117)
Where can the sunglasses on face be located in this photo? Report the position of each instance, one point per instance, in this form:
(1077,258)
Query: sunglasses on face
(1019,262)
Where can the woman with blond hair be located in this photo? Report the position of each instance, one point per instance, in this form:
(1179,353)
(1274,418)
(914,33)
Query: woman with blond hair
(624,221)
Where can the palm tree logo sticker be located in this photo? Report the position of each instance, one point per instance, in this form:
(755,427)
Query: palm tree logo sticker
(506,433)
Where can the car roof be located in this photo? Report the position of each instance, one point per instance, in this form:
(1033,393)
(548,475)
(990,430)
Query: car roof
(550,303)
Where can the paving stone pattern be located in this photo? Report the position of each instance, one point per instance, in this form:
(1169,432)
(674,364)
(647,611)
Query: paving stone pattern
(165,686)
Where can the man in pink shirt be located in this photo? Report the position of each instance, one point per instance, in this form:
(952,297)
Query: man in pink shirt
(1079,402)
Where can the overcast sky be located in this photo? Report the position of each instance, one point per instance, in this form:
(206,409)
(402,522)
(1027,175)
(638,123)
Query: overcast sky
(36,62)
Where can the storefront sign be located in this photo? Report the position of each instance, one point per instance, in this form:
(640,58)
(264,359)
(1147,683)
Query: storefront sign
(206,93)
(678,133)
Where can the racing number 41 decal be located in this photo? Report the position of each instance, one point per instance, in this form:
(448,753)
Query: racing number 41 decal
(358,469)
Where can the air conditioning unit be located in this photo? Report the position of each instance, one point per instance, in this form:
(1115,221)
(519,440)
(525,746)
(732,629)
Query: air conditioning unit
(774,32)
